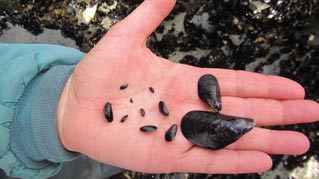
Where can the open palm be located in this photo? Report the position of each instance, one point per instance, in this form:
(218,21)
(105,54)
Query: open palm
(122,57)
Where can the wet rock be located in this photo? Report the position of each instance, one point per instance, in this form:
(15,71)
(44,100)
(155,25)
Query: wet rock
(9,5)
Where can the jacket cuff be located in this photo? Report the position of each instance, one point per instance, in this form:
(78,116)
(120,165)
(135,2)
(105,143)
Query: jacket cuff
(34,138)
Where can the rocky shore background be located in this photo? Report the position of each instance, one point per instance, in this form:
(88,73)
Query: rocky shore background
(276,37)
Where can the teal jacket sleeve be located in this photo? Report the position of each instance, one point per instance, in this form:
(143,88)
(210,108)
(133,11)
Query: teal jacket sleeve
(32,78)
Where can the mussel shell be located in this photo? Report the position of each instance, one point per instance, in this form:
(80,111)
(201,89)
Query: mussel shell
(209,91)
(163,108)
(108,112)
(124,86)
(171,133)
(151,89)
(214,130)
(148,128)
(124,118)
(142,112)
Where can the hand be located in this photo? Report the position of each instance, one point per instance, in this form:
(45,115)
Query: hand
(122,57)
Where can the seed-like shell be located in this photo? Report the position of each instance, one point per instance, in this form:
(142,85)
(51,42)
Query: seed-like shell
(123,119)
(209,92)
(131,100)
(163,108)
(142,111)
(151,89)
(123,86)
(108,112)
(214,130)
(148,128)
(171,133)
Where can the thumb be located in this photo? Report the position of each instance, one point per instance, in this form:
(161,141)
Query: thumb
(145,18)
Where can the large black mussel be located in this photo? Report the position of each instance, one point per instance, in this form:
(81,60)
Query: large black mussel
(214,130)
(209,92)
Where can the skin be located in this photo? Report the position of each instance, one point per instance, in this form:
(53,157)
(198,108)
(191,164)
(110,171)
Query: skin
(122,57)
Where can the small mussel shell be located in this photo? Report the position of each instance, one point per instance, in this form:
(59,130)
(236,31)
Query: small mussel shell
(151,89)
(108,112)
(214,130)
(209,91)
(148,128)
(171,133)
(163,108)
(142,112)
(124,118)
(123,86)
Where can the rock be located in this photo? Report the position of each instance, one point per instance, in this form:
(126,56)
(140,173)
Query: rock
(310,170)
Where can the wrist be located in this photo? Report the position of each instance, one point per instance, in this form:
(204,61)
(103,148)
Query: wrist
(34,137)
(61,114)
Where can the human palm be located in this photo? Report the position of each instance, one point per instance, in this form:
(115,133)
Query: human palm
(122,57)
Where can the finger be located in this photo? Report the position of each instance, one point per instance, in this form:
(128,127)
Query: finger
(247,84)
(268,112)
(202,160)
(273,142)
(146,17)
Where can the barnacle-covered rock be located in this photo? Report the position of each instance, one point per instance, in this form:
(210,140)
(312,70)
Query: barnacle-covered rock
(214,130)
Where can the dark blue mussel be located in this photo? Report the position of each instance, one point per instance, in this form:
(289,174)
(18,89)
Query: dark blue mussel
(108,112)
(209,92)
(171,133)
(214,130)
